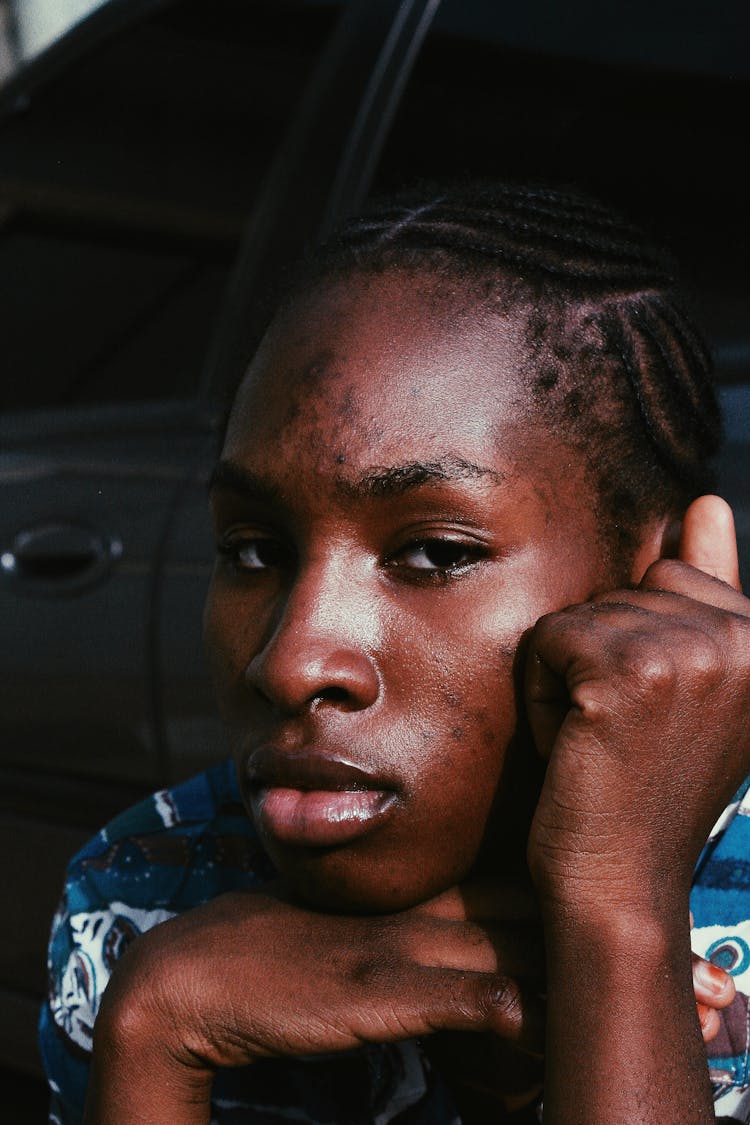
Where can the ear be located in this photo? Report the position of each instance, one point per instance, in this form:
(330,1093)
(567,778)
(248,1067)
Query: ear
(659,539)
(705,538)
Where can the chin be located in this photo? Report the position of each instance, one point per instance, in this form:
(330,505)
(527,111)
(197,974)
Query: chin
(334,884)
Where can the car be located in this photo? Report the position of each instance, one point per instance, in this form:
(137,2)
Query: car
(161,163)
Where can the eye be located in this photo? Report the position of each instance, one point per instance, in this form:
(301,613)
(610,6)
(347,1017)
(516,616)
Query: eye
(253,553)
(443,556)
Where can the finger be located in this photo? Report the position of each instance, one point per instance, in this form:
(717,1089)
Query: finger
(709,1021)
(676,577)
(567,651)
(708,540)
(667,584)
(419,1000)
(713,987)
(479,1002)
(547,699)
(423,1000)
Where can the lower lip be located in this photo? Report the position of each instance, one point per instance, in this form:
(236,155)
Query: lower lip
(318,817)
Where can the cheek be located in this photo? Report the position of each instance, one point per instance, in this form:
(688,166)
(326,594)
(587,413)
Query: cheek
(460,688)
(464,706)
(229,637)
(458,673)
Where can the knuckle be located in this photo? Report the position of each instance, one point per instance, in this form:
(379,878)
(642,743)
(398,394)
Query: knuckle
(650,662)
(707,663)
(738,641)
(501,1006)
(661,665)
(544,628)
(128,1007)
(657,671)
(551,623)
(377,964)
(409,943)
(561,626)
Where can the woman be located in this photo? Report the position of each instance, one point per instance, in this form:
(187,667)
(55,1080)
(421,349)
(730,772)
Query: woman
(482,717)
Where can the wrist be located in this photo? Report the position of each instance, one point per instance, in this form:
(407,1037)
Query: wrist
(137,1074)
(622,983)
(625,962)
(140,1033)
(614,901)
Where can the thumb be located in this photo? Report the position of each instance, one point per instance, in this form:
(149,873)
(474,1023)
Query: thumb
(708,540)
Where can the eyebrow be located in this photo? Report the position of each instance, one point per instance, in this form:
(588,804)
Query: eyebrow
(379,482)
(395,480)
(230,475)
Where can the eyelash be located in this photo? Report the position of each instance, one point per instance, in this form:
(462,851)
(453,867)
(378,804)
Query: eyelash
(471,554)
(231,549)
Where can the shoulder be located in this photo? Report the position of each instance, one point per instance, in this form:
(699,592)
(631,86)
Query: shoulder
(178,848)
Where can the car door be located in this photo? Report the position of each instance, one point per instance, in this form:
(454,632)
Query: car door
(136,157)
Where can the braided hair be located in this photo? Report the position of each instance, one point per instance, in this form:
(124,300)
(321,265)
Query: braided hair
(614,365)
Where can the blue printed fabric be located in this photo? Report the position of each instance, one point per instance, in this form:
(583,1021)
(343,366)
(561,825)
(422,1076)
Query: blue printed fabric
(720,902)
(175,850)
(184,846)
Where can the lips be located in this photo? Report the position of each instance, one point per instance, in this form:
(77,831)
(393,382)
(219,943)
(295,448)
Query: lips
(310,799)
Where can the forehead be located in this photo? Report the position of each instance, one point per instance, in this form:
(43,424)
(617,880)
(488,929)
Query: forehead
(367,389)
(374,361)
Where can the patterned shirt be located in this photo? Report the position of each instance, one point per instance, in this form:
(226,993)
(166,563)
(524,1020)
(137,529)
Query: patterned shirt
(184,846)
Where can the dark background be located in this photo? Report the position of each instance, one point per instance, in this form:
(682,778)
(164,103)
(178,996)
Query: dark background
(141,229)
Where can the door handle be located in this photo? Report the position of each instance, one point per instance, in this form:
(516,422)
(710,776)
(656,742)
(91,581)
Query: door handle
(58,557)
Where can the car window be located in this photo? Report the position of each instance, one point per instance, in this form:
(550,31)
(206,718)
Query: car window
(125,183)
(653,121)
(669,34)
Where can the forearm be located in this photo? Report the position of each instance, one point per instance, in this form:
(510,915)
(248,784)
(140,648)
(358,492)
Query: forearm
(623,1039)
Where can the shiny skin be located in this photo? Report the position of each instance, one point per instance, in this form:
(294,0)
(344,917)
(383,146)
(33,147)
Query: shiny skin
(343,626)
(349,641)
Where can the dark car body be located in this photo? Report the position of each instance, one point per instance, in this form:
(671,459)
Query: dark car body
(159,166)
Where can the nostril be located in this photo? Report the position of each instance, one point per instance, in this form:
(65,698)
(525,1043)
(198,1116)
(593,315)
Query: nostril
(332,694)
(293,676)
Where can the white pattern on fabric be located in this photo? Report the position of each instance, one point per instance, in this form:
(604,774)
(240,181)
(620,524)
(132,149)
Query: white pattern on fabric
(98,940)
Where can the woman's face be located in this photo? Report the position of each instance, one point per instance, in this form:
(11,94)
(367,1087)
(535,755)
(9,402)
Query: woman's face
(389,524)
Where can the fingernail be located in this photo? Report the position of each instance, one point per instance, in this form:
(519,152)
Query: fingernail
(712,978)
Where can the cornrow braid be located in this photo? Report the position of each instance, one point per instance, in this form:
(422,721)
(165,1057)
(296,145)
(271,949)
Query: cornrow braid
(558,233)
(615,365)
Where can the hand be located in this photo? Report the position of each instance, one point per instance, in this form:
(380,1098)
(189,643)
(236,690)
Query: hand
(250,975)
(714,989)
(640,701)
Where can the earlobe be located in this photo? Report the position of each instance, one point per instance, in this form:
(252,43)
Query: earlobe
(659,539)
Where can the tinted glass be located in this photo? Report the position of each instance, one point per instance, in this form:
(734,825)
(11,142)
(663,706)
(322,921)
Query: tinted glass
(656,123)
(124,186)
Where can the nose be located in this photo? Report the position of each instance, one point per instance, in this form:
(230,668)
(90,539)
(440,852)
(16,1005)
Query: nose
(320,646)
